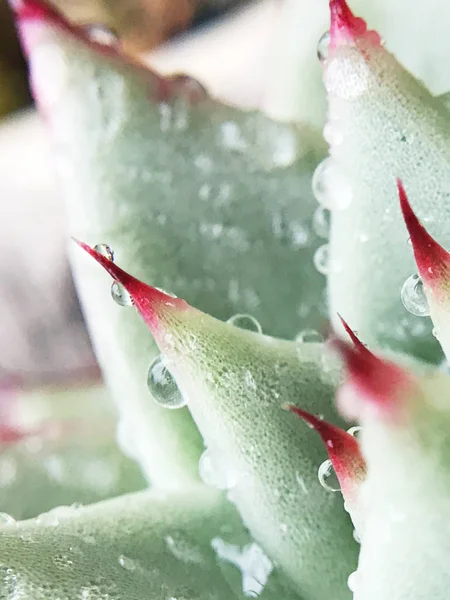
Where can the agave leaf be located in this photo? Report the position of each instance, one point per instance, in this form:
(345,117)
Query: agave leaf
(389,126)
(139,546)
(197,197)
(433,264)
(405,422)
(236,382)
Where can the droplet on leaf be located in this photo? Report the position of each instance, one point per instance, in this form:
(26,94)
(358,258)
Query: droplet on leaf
(321,259)
(212,475)
(105,251)
(351,581)
(330,186)
(120,295)
(163,386)
(323,46)
(413,296)
(321,222)
(355,431)
(171,294)
(309,336)
(102,35)
(127,563)
(244,321)
(328,478)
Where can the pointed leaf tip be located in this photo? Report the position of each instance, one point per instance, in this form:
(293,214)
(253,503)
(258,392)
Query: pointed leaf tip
(378,383)
(352,335)
(148,300)
(433,261)
(345,27)
(343,450)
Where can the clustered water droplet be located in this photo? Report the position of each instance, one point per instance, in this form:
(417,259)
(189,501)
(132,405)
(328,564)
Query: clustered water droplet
(309,336)
(244,321)
(413,296)
(105,251)
(327,477)
(321,259)
(321,222)
(323,47)
(163,386)
(120,295)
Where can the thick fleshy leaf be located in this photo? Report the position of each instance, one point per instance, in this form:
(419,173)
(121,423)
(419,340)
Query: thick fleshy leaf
(382,124)
(196,197)
(235,383)
(139,546)
(405,423)
(433,264)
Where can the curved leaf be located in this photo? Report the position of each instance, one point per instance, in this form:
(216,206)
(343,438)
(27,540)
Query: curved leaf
(235,383)
(140,546)
(386,125)
(197,197)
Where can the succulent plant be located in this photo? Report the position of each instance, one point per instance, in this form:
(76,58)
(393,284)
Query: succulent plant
(213,203)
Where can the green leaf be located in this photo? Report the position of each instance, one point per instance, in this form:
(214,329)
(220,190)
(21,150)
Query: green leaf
(405,421)
(199,198)
(136,547)
(235,383)
(385,125)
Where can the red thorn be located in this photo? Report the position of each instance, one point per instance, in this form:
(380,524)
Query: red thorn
(345,27)
(343,450)
(352,335)
(148,300)
(433,261)
(378,382)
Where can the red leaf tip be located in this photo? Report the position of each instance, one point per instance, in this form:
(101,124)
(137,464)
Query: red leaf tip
(378,383)
(433,261)
(352,335)
(36,10)
(346,28)
(148,300)
(343,450)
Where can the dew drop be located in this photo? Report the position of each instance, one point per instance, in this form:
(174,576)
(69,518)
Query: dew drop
(102,35)
(105,251)
(321,259)
(163,386)
(323,47)
(171,294)
(434,331)
(244,321)
(351,581)
(127,563)
(413,297)
(6,519)
(309,336)
(356,536)
(332,134)
(355,431)
(321,222)
(120,295)
(330,186)
(328,478)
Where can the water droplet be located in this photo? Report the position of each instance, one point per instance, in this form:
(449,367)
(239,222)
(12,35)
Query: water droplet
(434,331)
(330,186)
(183,550)
(102,35)
(253,563)
(355,431)
(309,336)
(321,222)
(301,482)
(332,134)
(6,519)
(127,563)
(323,46)
(120,295)
(351,581)
(250,380)
(244,321)
(413,296)
(163,386)
(213,476)
(356,536)
(232,137)
(105,251)
(321,259)
(328,478)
